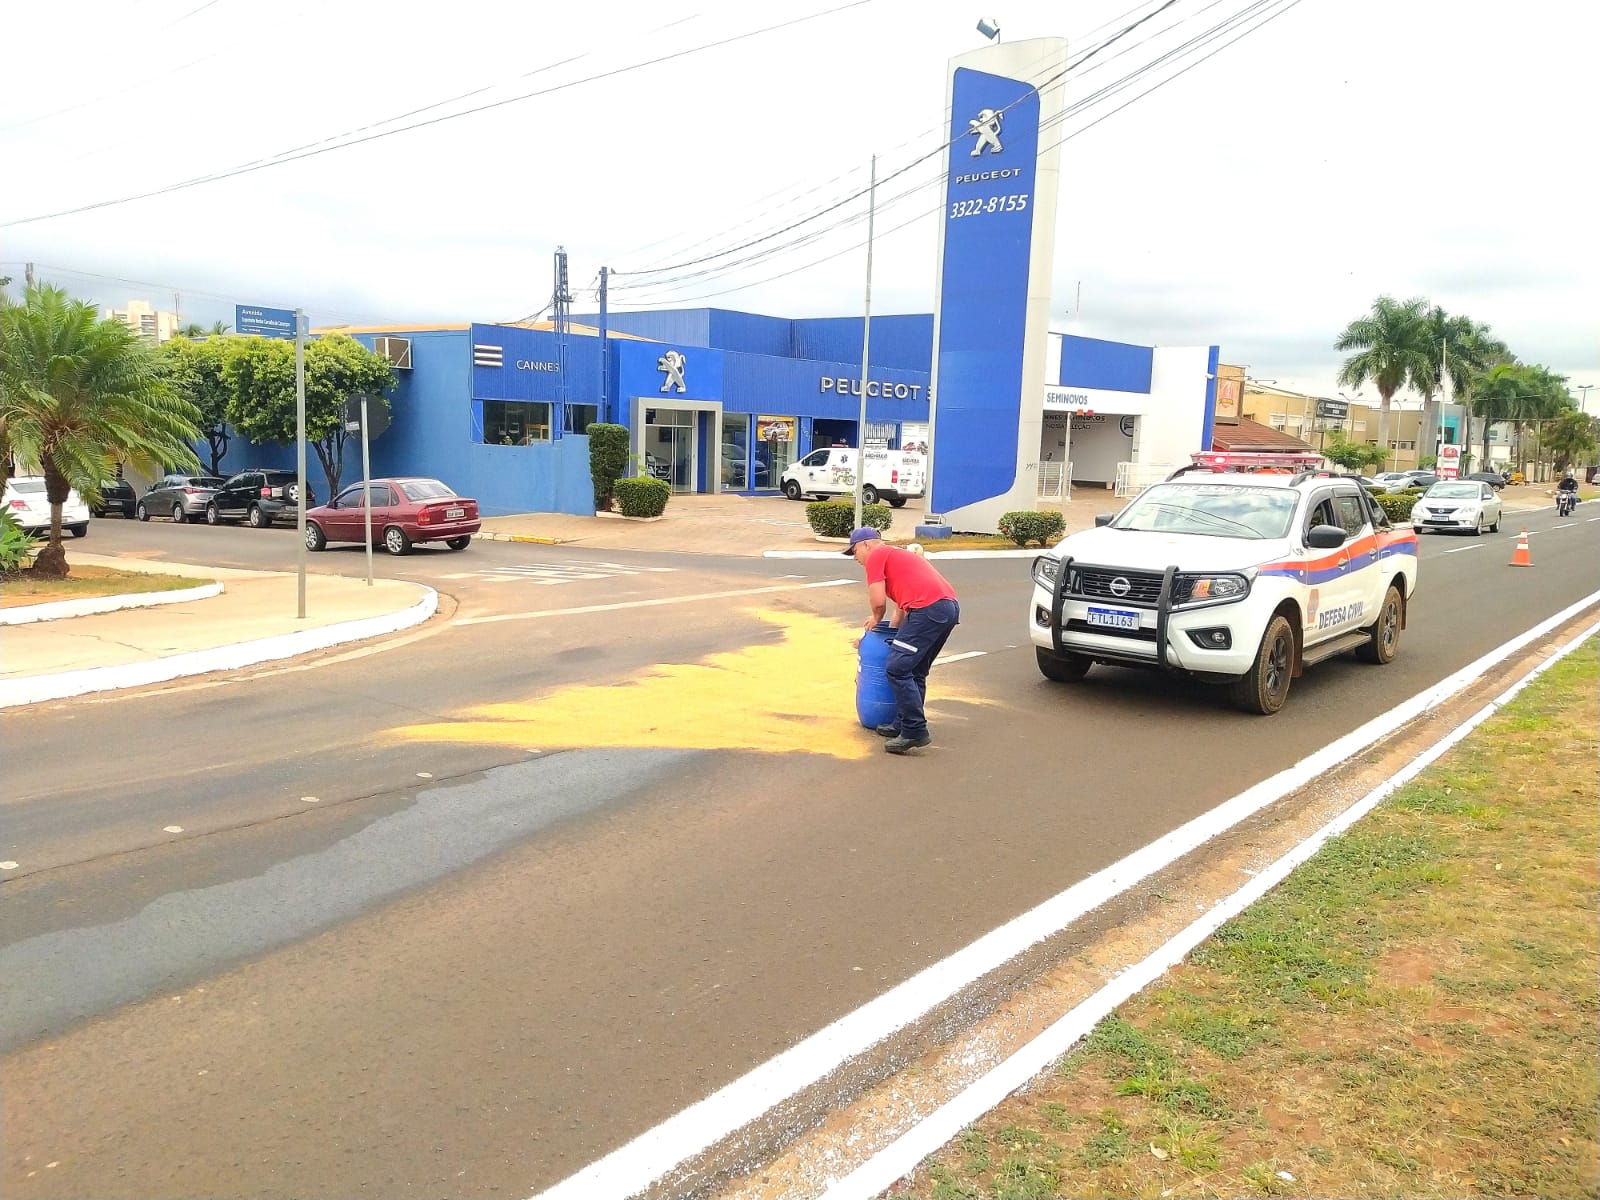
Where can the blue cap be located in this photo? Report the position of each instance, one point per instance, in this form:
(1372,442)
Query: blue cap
(861,535)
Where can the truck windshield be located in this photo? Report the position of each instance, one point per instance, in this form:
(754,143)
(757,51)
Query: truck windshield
(1211,510)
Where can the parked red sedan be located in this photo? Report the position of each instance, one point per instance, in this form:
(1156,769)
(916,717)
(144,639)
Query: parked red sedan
(404,512)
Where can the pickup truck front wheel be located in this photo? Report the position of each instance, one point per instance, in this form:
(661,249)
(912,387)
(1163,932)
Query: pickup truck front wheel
(1265,687)
(1063,668)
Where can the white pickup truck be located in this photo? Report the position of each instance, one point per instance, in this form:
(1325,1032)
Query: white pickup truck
(1233,577)
(892,475)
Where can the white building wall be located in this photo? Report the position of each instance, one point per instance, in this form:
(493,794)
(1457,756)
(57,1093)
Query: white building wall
(1173,428)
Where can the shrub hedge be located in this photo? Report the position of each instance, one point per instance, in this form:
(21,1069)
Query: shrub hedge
(608,461)
(1397,506)
(1025,527)
(836,518)
(642,497)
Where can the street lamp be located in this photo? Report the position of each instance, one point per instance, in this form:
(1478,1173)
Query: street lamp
(990,28)
(1583,390)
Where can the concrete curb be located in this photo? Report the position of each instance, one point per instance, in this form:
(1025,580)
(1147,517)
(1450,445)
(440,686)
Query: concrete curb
(951,554)
(522,537)
(27,614)
(35,689)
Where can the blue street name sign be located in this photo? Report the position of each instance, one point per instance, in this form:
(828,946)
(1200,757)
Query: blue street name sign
(263,322)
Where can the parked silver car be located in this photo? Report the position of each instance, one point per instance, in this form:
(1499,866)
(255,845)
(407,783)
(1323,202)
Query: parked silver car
(181,497)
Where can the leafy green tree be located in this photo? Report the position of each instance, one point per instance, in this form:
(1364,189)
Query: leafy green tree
(1572,436)
(195,371)
(1352,456)
(1392,353)
(261,373)
(80,395)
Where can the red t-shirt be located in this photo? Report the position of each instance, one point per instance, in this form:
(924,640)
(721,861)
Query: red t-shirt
(909,578)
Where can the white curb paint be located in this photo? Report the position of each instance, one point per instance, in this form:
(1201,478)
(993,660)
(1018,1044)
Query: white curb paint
(633,1167)
(27,614)
(37,688)
(902,1156)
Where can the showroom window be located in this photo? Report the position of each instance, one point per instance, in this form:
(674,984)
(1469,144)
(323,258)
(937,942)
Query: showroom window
(515,422)
(579,417)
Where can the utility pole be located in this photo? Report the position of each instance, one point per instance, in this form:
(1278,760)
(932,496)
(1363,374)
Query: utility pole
(866,342)
(605,392)
(27,275)
(562,304)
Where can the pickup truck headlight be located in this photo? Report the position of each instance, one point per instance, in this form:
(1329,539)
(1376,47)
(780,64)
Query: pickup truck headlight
(1221,588)
(1045,570)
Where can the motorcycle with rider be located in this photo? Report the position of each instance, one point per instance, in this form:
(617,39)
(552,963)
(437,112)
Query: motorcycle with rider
(1566,495)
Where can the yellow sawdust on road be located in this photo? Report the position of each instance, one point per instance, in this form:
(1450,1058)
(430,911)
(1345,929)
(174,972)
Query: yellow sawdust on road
(786,693)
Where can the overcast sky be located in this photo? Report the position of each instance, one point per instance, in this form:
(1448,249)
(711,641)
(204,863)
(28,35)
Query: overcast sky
(1258,201)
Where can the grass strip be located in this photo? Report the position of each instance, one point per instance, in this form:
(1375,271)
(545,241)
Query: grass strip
(1412,1013)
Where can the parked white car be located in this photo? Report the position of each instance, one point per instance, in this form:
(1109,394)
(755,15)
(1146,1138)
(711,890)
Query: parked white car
(25,501)
(1237,578)
(1468,505)
(892,475)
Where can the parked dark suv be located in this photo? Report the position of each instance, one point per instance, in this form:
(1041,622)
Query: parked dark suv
(255,496)
(116,495)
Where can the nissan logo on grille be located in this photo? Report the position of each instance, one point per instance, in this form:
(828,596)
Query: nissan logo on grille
(1119,587)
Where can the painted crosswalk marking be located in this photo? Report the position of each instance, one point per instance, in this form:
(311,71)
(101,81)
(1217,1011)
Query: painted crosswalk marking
(555,572)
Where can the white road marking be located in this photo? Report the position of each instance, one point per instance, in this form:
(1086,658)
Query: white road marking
(1592,520)
(1568,525)
(310,799)
(1464,549)
(658,603)
(950,658)
(424,774)
(8,865)
(172,829)
(559,571)
(903,1154)
(636,1165)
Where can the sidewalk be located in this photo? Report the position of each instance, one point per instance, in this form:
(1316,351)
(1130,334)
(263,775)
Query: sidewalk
(252,621)
(745,526)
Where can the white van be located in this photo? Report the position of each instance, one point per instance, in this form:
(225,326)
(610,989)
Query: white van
(892,475)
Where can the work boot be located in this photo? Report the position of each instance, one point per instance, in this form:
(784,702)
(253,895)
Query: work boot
(903,744)
(887,731)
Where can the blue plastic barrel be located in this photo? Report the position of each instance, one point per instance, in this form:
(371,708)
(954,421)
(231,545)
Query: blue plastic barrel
(874,698)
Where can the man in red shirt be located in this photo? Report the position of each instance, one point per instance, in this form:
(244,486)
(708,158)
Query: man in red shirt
(927,615)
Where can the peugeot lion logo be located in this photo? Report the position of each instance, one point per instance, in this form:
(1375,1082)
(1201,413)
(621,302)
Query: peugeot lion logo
(986,128)
(671,366)
(1119,587)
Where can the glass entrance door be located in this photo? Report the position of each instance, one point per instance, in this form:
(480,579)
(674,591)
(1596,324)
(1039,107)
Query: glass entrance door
(670,447)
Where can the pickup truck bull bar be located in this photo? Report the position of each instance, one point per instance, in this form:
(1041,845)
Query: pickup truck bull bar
(1059,594)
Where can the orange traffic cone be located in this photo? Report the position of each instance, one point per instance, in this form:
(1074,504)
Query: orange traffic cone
(1520,556)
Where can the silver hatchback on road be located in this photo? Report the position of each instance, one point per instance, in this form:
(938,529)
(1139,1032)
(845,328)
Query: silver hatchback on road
(181,497)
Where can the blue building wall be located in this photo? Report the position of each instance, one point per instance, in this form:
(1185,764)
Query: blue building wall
(687,326)
(751,333)
(1113,366)
(904,342)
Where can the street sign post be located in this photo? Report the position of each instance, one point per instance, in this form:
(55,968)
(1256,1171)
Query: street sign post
(255,321)
(300,327)
(359,416)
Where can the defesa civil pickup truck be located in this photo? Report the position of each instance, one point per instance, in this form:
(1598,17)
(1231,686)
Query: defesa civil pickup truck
(1234,576)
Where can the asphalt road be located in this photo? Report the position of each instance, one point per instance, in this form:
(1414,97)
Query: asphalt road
(456,914)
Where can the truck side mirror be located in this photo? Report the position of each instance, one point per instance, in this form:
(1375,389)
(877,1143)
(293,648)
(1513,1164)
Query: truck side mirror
(1326,537)
(1104,519)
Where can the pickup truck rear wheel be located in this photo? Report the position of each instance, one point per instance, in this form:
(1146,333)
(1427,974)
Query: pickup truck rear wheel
(1264,688)
(1384,642)
(1063,668)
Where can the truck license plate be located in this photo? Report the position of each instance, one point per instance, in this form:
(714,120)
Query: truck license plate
(1114,618)
(454,514)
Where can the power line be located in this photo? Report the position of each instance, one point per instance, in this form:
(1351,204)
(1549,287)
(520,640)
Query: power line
(1076,107)
(312,152)
(1033,91)
(1283,6)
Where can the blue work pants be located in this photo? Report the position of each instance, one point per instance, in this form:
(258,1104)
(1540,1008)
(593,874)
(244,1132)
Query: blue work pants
(912,649)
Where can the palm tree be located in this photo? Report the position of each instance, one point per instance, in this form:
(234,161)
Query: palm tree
(194,331)
(1392,353)
(1502,394)
(1480,351)
(82,394)
(1571,436)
